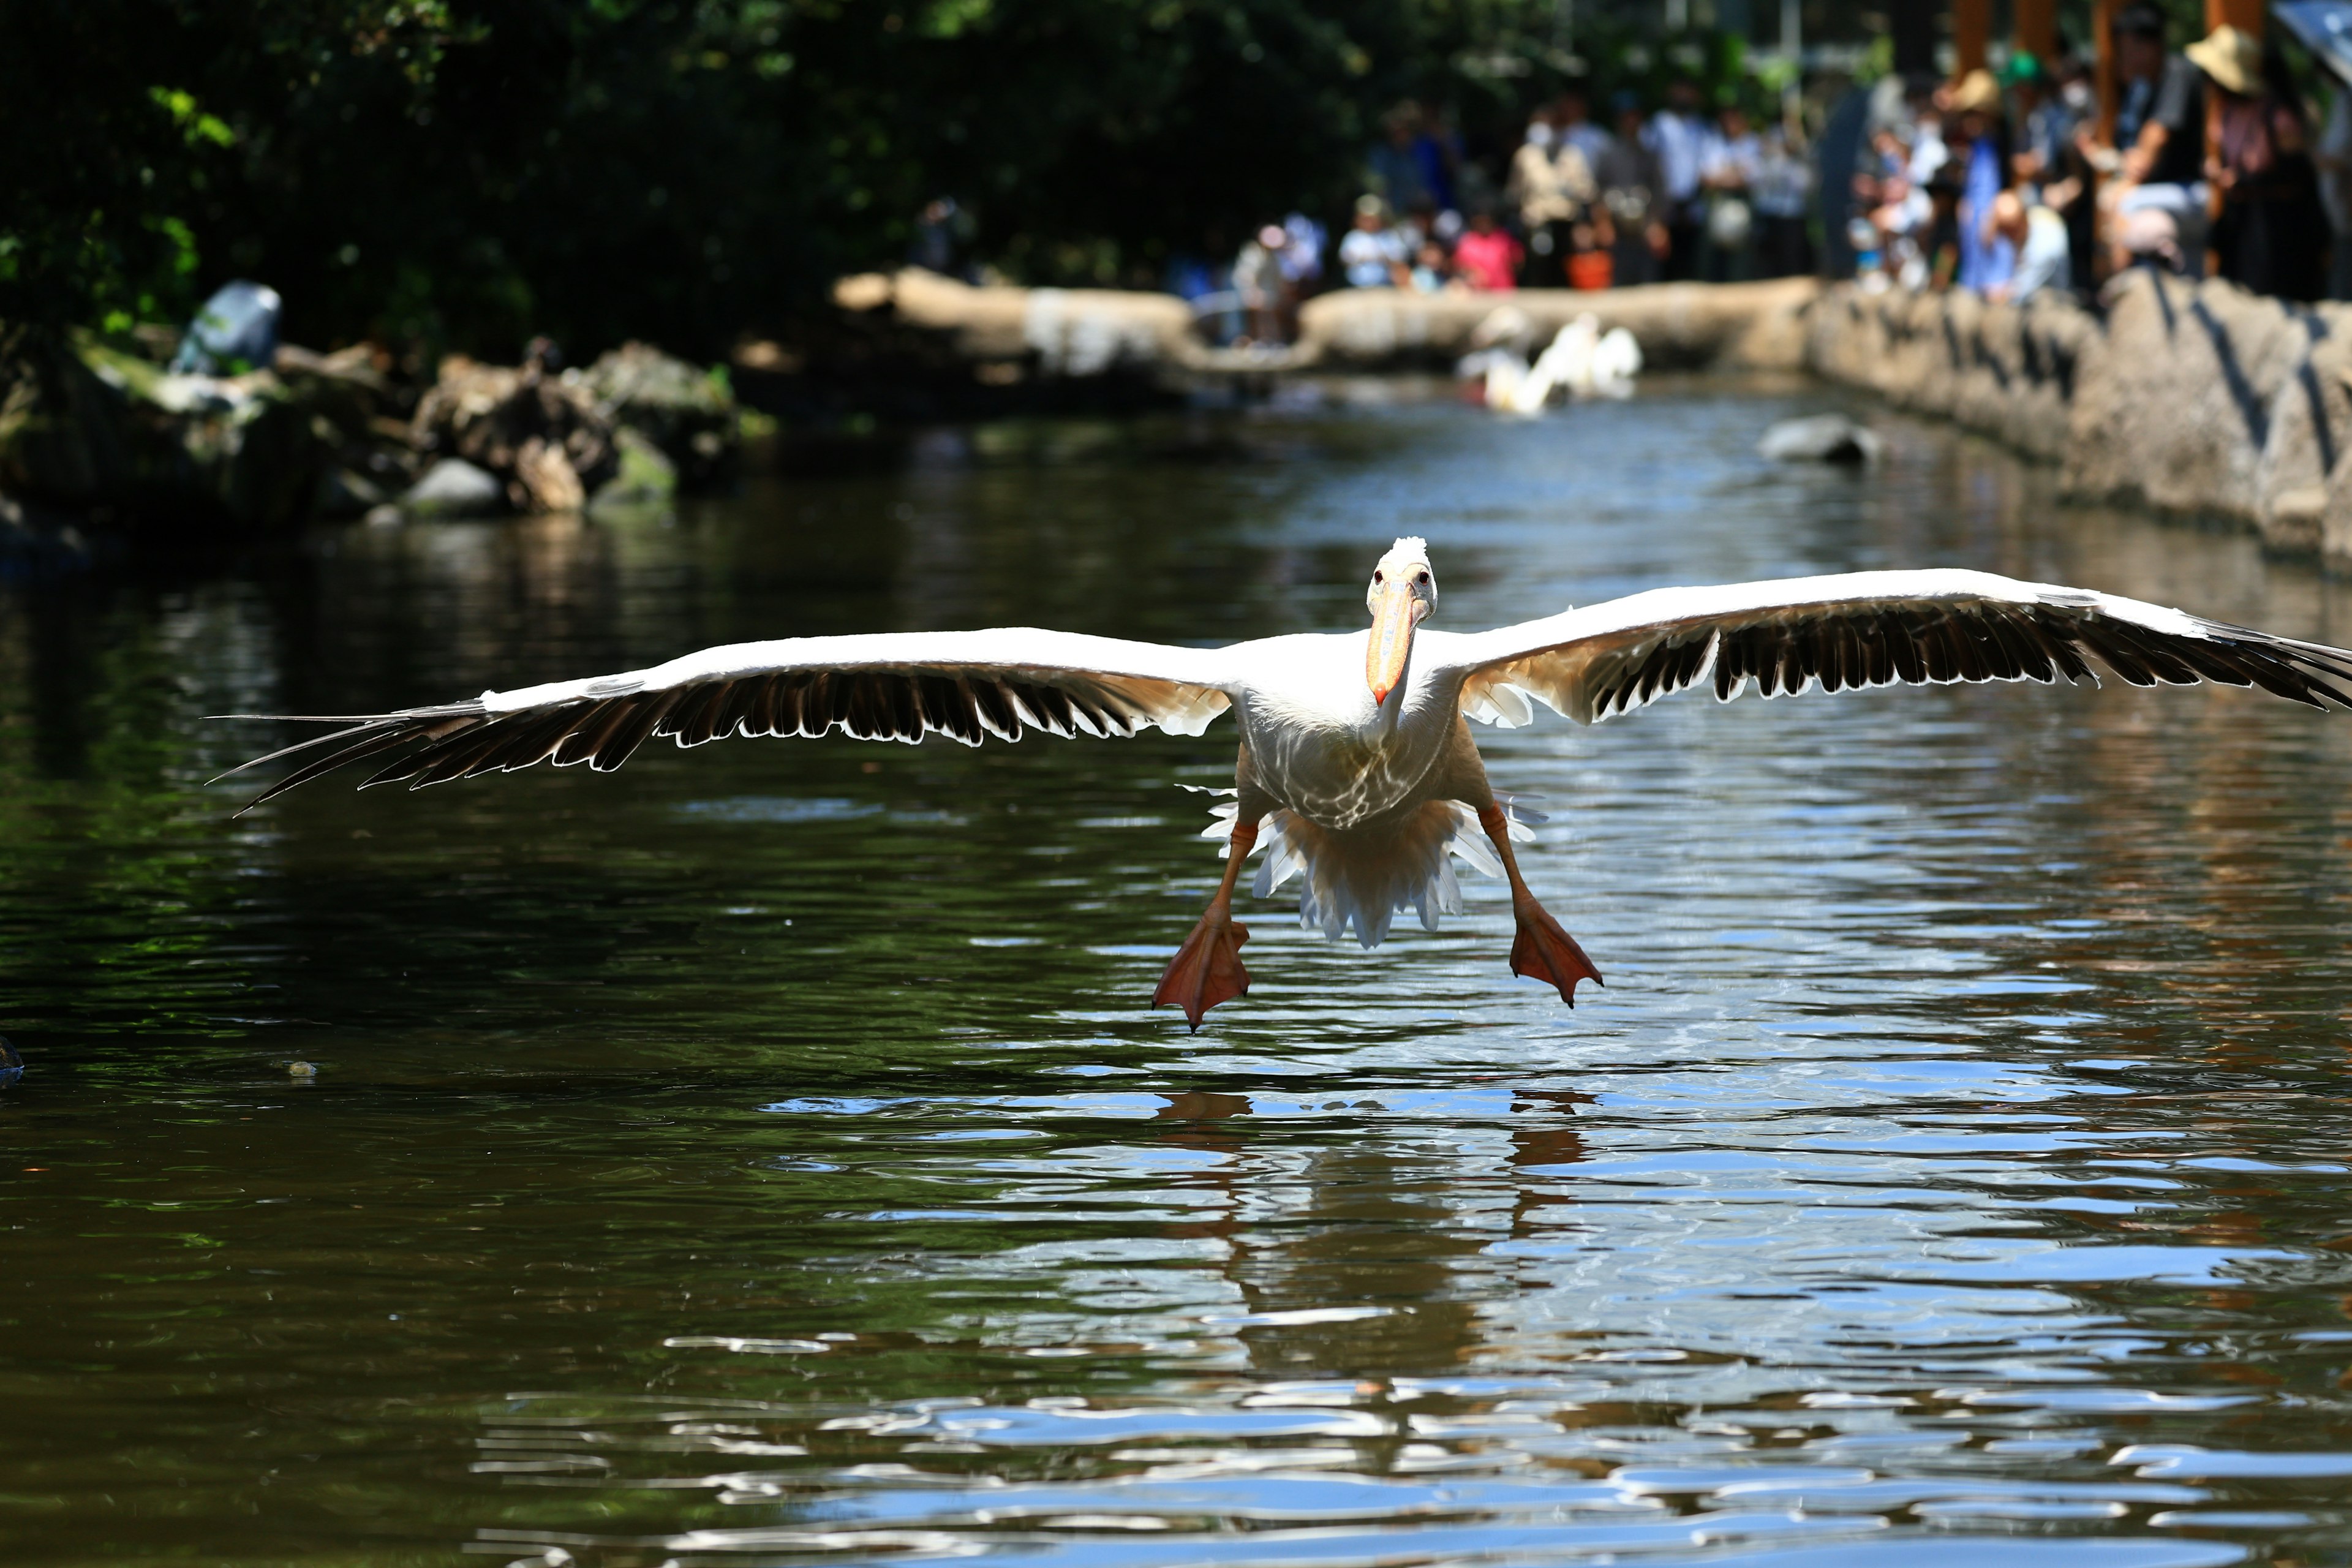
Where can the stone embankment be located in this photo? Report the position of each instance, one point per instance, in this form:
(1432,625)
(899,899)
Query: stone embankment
(2192,397)
(1096,331)
(103,429)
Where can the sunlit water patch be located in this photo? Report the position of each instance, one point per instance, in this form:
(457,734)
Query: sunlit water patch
(765,1155)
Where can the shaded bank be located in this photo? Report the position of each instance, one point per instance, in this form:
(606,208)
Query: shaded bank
(2199,398)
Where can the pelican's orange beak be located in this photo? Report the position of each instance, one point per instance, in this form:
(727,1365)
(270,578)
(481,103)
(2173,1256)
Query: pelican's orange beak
(1396,610)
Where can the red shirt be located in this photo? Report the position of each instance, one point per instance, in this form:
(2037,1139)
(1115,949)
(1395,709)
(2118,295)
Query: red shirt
(1489,261)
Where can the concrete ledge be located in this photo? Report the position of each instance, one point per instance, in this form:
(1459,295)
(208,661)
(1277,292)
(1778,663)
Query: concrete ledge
(1094,331)
(2191,396)
(1678,324)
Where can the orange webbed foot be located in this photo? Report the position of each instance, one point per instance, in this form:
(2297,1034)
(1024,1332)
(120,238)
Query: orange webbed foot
(1545,951)
(1207,969)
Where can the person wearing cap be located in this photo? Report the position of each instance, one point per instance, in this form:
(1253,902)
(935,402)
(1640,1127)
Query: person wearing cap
(2270,234)
(1980,149)
(2046,125)
(1372,256)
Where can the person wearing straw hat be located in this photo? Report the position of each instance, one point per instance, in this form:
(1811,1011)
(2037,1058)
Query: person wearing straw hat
(1980,147)
(2270,234)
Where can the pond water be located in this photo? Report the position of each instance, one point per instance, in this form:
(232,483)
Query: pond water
(766,1154)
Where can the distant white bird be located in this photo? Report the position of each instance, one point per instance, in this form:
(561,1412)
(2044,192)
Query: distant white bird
(1579,362)
(1357,772)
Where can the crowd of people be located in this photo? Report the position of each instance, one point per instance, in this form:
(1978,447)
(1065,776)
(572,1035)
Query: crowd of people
(2004,185)
(1678,193)
(2008,183)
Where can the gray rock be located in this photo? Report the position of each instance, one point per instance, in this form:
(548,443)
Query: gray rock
(1820,438)
(688,413)
(455,488)
(645,476)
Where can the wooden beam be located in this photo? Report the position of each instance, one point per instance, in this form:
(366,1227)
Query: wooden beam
(1972,31)
(2246,15)
(2037,30)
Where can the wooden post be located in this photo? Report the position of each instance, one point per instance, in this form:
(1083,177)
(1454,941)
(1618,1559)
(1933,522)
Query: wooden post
(2246,15)
(2103,41)
(1972,30)
(2037,30)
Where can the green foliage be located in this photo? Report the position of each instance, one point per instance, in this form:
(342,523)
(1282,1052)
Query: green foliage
(467,173)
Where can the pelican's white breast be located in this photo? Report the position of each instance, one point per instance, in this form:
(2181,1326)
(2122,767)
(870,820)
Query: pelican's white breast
(1317,740)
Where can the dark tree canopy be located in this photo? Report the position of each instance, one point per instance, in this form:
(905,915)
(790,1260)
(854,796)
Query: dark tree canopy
(469,172)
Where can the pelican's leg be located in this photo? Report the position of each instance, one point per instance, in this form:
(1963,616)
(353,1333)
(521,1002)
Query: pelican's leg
(1542,951)
(1207,969)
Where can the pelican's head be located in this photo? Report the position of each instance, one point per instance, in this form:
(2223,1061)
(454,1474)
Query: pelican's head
(1403,591)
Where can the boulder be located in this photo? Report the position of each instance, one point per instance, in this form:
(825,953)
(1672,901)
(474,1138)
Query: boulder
(1820,438)
(455,488)
(687,412)
(543,435)
(644,476)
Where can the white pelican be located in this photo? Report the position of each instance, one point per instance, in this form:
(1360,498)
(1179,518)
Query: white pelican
(1357,769)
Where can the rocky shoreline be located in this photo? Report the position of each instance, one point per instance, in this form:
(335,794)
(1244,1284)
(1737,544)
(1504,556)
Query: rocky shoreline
(99,429)
(2192,397)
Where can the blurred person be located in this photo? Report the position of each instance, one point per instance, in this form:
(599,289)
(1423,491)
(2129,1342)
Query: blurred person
(1553,187)
(1433,269)
(1395,163)
(2037,238)
(1258,280)
(942,231)
(1928,151)
(1302,253)
(2159,156)
(2070,194)
(1487,257)
(1937,254)
(1632,186)
(1727,173)
(1980,149)
(2146,237)
(1572,115)
(1209,289)
(2045,124)
(1372,255)
(1782,190)
(2271,233)
(1678,135)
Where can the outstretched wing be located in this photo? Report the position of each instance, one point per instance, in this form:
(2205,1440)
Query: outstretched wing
(1863,628)
(966,685)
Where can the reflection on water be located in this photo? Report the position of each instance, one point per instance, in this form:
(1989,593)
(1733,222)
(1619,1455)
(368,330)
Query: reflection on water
(765,1155)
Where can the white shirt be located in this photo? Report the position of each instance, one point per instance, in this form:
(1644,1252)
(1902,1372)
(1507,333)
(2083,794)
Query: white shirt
(2044,261)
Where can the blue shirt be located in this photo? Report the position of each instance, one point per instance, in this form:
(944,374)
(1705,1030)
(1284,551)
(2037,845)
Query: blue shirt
(1984,264)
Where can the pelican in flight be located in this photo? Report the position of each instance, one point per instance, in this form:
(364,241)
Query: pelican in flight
(1357,775)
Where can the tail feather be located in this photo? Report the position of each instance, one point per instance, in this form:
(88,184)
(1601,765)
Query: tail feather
(1358,879)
